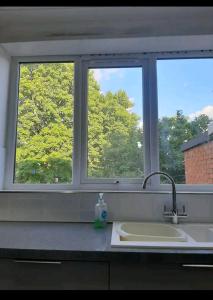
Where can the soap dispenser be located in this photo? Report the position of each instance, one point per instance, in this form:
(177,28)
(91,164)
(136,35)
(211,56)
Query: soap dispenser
(101,212)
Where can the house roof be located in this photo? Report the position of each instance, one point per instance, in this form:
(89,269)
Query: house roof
(199,140)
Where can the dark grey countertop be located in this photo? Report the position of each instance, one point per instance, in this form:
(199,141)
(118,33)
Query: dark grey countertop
(80,241)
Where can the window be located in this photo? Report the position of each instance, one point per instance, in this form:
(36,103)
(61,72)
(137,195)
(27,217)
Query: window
(105,122)
(185,106)
(115,142)
(44,140)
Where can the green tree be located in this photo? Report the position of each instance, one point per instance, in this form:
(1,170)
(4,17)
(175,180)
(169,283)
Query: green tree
(199,124)
(113,135)
(174,131)
(45,122)
(123,157)
(45,127)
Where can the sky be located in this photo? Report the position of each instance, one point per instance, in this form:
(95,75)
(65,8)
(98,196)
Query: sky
(128,79)
(185,84)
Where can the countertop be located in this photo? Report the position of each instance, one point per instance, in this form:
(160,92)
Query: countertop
(80,241)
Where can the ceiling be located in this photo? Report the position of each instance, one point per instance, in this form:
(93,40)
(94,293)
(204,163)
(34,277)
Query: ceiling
(19,24)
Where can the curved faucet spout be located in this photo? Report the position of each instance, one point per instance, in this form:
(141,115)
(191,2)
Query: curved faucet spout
(174,206)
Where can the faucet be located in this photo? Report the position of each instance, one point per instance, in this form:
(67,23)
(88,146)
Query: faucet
(174,214)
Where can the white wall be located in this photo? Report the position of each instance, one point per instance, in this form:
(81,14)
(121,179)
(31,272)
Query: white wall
(4,81)
(79,207)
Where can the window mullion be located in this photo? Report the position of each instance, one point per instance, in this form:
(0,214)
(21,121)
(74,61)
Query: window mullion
(10,135)
(153,114)
(84,122)
(77,124)
(146,119)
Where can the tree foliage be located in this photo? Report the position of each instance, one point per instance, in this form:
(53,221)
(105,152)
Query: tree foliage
(173,132)
(45,122)
(113,134)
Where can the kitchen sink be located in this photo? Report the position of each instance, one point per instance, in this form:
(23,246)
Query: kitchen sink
(162,235)
(150,232)
(200,233)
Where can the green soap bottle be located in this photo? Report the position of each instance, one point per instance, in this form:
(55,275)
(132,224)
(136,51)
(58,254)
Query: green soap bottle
(101,212)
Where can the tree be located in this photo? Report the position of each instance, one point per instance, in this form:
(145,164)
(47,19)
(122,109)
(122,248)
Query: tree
(123,157)
(45,127)
(113,135)
(199,124)
(45,123)
(174,131)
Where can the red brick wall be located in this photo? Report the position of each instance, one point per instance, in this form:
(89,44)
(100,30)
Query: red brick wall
(199,164)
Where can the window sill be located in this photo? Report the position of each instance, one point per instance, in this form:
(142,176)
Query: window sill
(105,191)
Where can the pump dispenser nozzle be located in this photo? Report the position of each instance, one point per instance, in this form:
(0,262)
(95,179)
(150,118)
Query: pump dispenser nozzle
(101,196)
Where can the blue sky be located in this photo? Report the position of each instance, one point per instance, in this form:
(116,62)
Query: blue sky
(185,84)
(128,79)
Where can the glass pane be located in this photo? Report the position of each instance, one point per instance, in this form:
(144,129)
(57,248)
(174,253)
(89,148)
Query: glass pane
(45,123)
(185,100)
(115,125)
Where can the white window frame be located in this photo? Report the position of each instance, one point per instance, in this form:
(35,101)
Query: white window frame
(111,183)
(148,62)
(185,188)
(12,112)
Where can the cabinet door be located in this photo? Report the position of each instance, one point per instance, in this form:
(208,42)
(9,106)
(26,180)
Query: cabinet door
(24,274)
(157,276)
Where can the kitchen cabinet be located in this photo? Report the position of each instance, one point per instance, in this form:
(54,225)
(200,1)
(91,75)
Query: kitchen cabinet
(74,275)
(148,276)
(95,275)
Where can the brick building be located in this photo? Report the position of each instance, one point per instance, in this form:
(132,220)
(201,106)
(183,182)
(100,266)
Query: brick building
(198,158)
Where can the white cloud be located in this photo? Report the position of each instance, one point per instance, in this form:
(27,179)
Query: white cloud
(105,74)
(130,109)
(97,74)
(132,99)
(207,110)
(140,124)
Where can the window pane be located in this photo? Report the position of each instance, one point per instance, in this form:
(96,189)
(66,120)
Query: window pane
(115,131)
(45,123)
(185,97)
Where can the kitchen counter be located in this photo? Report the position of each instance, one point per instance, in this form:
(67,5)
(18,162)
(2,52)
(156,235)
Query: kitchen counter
(80,241)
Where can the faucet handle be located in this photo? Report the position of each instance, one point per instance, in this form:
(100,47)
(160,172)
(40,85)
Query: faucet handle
(183,214)
(167,211)
(184,209)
